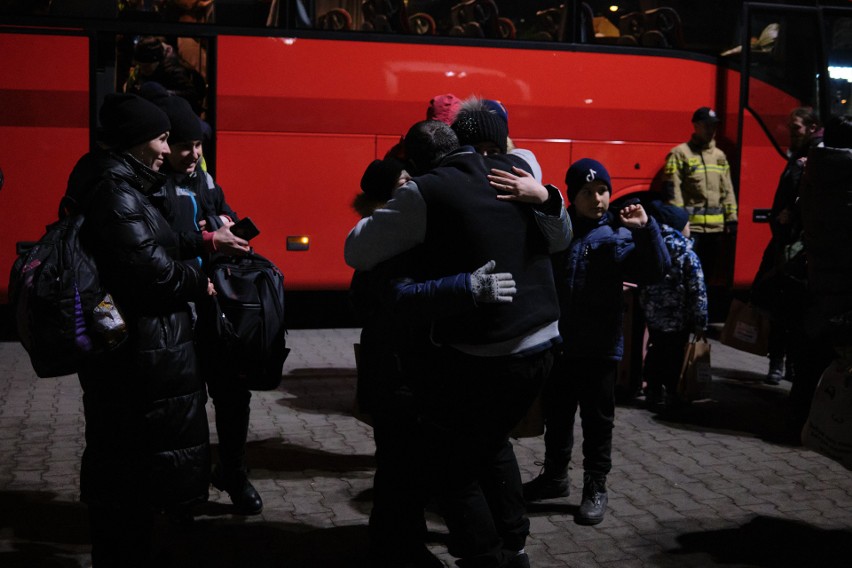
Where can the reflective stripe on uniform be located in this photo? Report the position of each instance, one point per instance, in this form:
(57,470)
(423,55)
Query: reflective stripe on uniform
(701,219)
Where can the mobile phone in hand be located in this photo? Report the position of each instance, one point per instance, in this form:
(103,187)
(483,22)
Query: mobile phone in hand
(245,229)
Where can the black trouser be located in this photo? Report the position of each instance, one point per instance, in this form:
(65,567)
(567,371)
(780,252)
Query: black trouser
(471,404)
(810,359)
(231,401)
(397,525)
(664,359)
(590,384)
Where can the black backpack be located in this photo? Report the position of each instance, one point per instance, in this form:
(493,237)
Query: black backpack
(54,289)
(250,291)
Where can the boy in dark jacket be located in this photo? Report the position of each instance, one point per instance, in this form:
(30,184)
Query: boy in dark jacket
(607,250)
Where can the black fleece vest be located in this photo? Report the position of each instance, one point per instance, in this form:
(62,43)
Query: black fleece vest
(466,227)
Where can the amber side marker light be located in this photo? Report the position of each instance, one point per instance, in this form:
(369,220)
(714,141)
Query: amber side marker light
(301,242)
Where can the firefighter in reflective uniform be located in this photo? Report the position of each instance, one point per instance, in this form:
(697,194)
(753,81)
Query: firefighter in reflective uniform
(698,178)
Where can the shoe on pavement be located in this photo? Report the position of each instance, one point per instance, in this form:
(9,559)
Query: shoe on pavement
(243,495)
(595,499)
(776,372)
(551,483)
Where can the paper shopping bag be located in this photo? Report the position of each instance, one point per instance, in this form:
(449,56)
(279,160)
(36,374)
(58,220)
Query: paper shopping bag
(695,375)
(746,328)
(828,430)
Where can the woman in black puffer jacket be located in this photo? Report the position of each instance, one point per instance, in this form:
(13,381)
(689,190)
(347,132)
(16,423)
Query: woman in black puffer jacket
(147,442)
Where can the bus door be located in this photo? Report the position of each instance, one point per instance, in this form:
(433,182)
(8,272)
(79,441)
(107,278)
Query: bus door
(781,70)
(182,69)
(44,129)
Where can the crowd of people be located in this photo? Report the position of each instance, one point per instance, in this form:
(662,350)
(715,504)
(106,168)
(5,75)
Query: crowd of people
(467,363)
(478,291)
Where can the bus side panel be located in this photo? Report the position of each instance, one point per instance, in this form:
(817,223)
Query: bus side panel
(632,166)
(44,129)
(335,86)
(385,143)
(761,167)
(272,90)
(294,185)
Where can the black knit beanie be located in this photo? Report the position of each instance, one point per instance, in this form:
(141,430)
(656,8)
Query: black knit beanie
(479,126)
(186,126)
(128,120)
(582,172)
(380,177)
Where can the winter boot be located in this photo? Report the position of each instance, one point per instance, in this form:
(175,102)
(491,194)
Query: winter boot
(230,475)
(593,505)
(776,371)
(236,484)
(551,483)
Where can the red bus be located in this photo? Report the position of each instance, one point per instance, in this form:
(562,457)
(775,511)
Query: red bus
(302,95)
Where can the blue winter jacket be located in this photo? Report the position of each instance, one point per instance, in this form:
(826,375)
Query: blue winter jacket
(678,302)
(590,277)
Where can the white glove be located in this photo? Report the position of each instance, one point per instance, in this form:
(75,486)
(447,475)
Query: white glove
(491,288)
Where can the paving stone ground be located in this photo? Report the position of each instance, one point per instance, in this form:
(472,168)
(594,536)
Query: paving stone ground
(715,486)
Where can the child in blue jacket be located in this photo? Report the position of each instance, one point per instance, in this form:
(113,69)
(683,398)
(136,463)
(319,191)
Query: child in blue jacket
(608,249)
(674,307)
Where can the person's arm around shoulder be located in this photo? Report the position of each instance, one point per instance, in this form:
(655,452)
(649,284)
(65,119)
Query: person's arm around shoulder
(393,229)
(548,206)
(451,295)
(530,159)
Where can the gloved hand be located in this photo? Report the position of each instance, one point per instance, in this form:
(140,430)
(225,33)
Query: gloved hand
(491,288)
(731,227)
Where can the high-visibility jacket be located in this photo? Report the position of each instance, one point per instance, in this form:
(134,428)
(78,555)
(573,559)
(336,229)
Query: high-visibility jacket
(698,178)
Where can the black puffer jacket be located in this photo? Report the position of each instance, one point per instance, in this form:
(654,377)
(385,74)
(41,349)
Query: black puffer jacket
(146,425)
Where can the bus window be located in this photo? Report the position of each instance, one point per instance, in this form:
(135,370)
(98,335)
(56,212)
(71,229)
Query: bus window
(839,43)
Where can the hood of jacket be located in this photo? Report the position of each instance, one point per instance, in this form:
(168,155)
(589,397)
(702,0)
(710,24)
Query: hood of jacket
(100,165)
